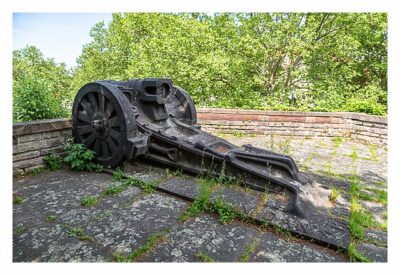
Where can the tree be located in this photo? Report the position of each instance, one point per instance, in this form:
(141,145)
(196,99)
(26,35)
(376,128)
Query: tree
(41,88)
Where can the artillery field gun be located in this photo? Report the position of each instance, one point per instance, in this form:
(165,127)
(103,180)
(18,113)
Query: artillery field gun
(153,119)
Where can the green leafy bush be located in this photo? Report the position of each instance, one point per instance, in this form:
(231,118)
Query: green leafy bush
(33,101)
(80,158)
(52,161)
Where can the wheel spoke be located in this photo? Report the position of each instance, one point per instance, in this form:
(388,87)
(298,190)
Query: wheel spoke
(84,129)
(114,122)
(104,149)
(96,147)
(109,110)
(86,106)
(89,140)
(101,103)
(93,102)
(83,116)
(114,134)
(111,144)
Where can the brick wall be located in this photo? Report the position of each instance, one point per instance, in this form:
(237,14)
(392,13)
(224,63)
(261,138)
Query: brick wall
(361,127)
(33,140)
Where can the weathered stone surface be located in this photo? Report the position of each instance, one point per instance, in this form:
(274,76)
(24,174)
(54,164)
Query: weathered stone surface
(205,234)
(274,249)
(183,186)
(51,243)
(239,199)
(28,162)
(24,156)
(319,227)
(119,223)
(27,138)
(373,252)
(143,171)
(47,135)
(377,237)
(35,145)
(129,227)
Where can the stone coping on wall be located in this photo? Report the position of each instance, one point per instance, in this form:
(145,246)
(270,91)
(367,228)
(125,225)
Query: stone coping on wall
(40,126)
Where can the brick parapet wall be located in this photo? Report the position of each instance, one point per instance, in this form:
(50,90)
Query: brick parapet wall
(362,127)
(33,140)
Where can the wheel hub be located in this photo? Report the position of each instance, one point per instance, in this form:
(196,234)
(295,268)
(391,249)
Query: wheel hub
(100,125)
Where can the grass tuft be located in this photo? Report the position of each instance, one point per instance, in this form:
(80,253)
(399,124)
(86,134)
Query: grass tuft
(114,189)
(249,250)
(334,195)
(51,218)
(202,257)
(79,233)
(89,201)
(18,199)
(355,255)
(151,242)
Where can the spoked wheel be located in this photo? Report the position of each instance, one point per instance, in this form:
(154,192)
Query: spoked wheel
(103,120)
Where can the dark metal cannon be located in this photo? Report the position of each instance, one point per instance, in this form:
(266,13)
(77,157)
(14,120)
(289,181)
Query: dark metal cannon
(153,119)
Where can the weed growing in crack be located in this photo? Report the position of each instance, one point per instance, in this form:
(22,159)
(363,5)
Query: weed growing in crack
(249,250)
(51,218)
(79,233)
(337,141)
(18,199)
(19,230)
(114,189)
(203,257)
(89,201)
(118,175)
(355,255)
(151,242)
(334,195)
(372,151)
(227,212)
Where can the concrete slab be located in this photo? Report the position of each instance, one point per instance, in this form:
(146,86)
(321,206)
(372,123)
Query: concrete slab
(271,248)
(237,197)
(373,252)
(128,228)
(183,186)
(203,234)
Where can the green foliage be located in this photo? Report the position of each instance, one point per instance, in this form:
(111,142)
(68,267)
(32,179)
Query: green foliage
(227,212)
(334,195)
(80,158)
(89,201)
(18,199)
(33,101)
(51,218)
(355,255)
(273,61)
(52,161)
(118,175)
(79,233)
(277,61)
(249,250)
(152,241)
(41,88)
(114,189)
(203,257)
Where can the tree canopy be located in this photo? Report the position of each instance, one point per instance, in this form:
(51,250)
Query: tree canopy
(275,61)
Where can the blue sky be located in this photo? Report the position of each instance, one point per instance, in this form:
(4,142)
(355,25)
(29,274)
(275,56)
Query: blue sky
(58,35)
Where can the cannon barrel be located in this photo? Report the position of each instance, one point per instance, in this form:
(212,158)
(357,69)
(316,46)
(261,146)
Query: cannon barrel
(153,119)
